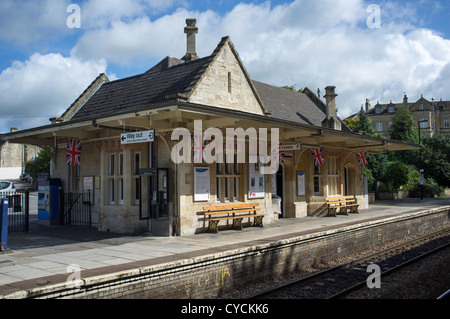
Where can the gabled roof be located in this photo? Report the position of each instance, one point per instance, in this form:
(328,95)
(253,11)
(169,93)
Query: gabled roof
(173,78)
(169,79)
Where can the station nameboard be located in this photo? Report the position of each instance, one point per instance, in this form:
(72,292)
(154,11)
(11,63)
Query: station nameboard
(290,147)
(137,137)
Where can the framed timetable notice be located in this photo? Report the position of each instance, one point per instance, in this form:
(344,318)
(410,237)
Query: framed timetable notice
(201,183)
(256,181)
(301,191)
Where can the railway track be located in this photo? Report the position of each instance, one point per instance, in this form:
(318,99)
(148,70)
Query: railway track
(341,280)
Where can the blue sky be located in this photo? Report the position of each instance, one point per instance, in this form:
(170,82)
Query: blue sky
(45,65)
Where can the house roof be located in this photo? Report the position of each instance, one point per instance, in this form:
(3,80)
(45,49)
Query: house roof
(289,105)
(173,78)
(384,108)
(169,79)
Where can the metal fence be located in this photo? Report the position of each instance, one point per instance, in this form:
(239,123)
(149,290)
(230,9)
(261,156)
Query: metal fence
(76,208)
(18,211)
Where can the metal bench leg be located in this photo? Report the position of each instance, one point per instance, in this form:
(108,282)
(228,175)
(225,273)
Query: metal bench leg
(354,209)
(212,227)
(332,211)
(343,211)
(258,221)
(237,223)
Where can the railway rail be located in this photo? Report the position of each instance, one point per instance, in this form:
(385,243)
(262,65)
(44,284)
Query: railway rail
(339,281)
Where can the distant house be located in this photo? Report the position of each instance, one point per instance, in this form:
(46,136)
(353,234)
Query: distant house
(13,158)
(434,116)
(145,187)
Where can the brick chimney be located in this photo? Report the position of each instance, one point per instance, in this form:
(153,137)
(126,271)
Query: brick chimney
(331,120)
(191,30)
(367,105)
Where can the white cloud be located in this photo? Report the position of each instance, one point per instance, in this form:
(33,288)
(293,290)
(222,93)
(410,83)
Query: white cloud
(124,42)
(44,86)
(25,21)
(306,43)
(101,13)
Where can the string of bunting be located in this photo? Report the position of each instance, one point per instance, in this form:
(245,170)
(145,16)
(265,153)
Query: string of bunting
(74,150)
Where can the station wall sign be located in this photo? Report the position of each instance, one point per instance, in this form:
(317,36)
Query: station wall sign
(291,147)
(137,137)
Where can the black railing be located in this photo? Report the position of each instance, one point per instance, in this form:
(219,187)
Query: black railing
(75,208)
(18,211)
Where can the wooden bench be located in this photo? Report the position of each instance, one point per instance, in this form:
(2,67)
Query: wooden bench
(343,203)
(234,212)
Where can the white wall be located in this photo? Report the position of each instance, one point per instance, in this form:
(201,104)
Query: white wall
(7,173)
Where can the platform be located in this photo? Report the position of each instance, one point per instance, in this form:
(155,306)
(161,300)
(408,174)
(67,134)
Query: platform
(42,256)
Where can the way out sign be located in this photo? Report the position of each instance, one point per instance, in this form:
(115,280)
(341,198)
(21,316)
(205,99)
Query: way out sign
(137,137)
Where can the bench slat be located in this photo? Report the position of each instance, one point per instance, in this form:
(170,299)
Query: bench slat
(235,217)
(233,211)
(231,206)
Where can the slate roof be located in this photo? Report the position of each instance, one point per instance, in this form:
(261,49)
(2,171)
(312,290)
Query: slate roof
(289,105)
(170,77)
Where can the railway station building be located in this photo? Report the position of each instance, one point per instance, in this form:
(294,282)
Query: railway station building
(145,144)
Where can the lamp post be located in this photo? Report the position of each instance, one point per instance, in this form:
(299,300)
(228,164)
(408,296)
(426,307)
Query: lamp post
(421,169)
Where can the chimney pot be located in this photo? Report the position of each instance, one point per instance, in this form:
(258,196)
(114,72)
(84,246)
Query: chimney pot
(331,119)
(191,30)
(367,105)
(330,96)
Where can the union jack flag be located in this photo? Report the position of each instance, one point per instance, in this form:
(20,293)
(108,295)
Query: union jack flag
(362,158)
(199,148)
(284,156)
(73,152)
(317,155)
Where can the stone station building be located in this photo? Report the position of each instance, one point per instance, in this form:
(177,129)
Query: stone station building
(140,187)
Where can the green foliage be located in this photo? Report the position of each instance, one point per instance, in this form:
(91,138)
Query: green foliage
(41,163)
(430,188)
(399,170)
(403,125)
(377,167)
(361,124)
(396,175)
(436,158)
(292,88)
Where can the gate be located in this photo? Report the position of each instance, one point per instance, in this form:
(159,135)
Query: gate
(18,211)
(75,208)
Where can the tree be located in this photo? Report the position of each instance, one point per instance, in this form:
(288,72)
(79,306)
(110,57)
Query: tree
(404,129)
(436,158)
(361,124)
(376,167)
(403,125)
(41,163)
(292,88)
(396,175)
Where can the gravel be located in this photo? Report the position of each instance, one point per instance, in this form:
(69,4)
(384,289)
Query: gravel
(426,279)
